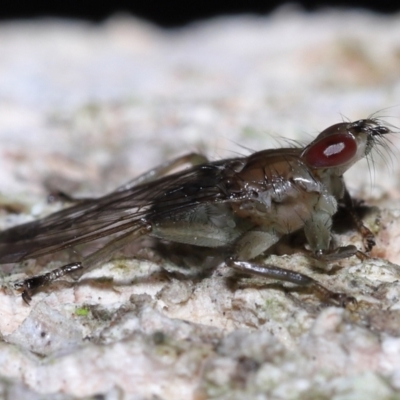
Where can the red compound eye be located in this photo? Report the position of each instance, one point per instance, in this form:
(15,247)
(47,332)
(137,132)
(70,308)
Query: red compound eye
(331,151)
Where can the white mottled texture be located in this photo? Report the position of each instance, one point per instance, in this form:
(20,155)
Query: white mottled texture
(85,108)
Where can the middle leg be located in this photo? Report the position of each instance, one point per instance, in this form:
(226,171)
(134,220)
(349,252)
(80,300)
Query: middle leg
(287,275)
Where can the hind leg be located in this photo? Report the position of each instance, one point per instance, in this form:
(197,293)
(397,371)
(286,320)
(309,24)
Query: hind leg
(31,285)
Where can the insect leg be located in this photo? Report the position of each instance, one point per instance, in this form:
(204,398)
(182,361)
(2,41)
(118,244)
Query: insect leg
(274,272)
(255,242)
(339,254)
(31,285)
(367,236)
(318,233)
(60,196)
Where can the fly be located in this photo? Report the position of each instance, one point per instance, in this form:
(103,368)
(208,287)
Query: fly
(245,205)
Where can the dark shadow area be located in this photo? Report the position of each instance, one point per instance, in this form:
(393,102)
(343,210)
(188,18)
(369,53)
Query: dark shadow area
(170,13)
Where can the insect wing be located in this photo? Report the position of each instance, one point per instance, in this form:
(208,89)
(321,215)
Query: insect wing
(119,212)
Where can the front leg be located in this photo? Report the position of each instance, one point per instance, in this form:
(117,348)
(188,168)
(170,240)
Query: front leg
(349,206)
(318,234)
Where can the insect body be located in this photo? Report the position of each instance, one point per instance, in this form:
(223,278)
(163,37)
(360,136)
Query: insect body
(244,204)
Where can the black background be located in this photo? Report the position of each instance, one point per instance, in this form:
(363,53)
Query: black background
(168,13)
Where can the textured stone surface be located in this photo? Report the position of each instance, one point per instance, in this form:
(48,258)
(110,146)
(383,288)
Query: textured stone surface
(85,108)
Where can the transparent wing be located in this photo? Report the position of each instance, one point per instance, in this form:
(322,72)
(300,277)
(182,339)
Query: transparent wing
(125,211)
(118,212)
